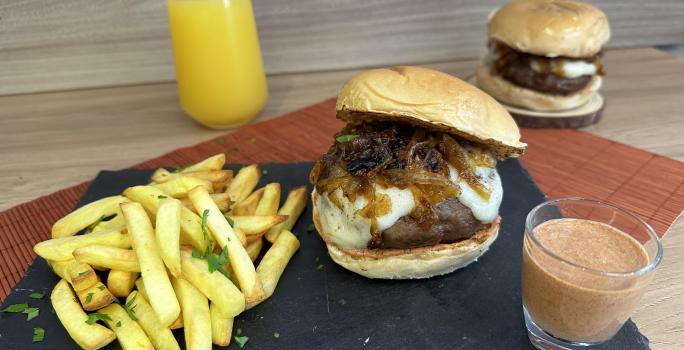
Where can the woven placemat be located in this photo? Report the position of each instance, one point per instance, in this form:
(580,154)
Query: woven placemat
(562,162)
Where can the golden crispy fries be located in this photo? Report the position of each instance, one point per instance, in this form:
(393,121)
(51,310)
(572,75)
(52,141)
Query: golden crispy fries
(128,332)
(117,222)
(150,197)
(121,283)
(81,276)
(162,175)
(225,237)
(167,231)
(196,315)
(160,336)
(95,297)
(222,201)
(60,249)
(73,318)
(221,326)
(214,162)
(108,257)
(249,205)
(157,284)
(179,187)
(276,258)
(256,225)
(244,182)
(254,248)
(217,287)
(268,205)
(85,216)
(293,207)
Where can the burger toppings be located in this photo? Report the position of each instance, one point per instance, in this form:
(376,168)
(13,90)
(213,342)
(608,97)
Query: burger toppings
(559,75)
(408,182)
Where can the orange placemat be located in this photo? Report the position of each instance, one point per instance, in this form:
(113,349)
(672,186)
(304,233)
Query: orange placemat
(562,162)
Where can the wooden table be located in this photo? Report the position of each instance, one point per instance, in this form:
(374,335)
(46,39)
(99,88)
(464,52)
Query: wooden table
(50,141)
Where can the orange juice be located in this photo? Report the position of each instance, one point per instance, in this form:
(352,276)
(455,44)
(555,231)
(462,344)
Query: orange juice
(219,69)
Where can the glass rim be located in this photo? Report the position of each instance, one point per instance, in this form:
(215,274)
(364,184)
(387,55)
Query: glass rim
(638,272)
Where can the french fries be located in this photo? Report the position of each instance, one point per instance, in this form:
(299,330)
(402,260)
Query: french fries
(81,276)
(117,222)
(225,237)
(276,258)
(214,162)
(128,332)
(108,257)
(150,197)
(268,205)
(167,231)
(293,207)
(254,248)
(70,314)
(196,315)
(180,186)
(162,175)
(157,284)
(222,201)
(121,283)
(60,249)
(85,216)
(255,225)
(248,205)
(221,326)
(214,285)
(243,183)
(160,336)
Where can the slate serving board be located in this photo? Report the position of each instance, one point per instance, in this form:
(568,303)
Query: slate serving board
(327,307)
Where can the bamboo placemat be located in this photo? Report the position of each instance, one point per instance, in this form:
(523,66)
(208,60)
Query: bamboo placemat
(562,162)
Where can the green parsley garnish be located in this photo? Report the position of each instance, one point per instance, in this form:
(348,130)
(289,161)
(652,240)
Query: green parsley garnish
(239,331)
(31,313)
(36,295)
(319,267)
(252,140)
(264,172)
(216,262)
(96,316)
(196,253)
(118,324)
(89,298)
(276,335)
(203,225)
(241,340)
(16,308)
(130,308)
(82,273)
(346,138)
(161,197)
(311,227)
(38,334)
(101,287)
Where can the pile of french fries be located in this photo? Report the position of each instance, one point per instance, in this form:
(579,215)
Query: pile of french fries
(179,252)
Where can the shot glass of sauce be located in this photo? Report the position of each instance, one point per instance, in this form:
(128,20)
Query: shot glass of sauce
(585,267)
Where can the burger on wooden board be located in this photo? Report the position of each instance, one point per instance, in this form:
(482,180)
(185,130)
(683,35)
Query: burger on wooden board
(544,55)
(410,189)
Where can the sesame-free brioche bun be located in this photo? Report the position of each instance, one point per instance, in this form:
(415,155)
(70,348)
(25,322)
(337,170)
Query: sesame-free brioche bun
(430,99)
(414,263)
(551,27)
(515,95)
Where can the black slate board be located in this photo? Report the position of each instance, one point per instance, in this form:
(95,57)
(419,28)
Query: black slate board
(478,307)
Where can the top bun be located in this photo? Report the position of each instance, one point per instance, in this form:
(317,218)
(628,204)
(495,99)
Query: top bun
(551,27)
(430,99)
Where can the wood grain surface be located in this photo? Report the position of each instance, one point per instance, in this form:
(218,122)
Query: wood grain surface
(50,45)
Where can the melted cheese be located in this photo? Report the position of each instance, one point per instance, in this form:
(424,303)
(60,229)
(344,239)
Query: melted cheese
(569,68)
(484,210)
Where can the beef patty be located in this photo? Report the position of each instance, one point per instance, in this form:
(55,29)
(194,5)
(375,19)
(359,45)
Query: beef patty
(516,67)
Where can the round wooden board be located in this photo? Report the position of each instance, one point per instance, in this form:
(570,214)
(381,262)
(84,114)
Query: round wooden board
(585,115)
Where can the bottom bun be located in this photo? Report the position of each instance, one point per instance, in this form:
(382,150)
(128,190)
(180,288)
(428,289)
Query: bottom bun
(514,95)
(414,263)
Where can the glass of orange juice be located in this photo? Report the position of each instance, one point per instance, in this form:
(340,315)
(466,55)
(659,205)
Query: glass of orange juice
(219,70)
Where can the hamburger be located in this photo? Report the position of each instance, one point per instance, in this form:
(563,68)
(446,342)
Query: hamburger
(409,189)
(544,55)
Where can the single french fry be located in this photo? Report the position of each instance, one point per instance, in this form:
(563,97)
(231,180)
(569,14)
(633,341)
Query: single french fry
(121,283)
(225,237)
(73,318)
(214,162)
(256,225)
(60,249)
(95,297)
(85,216)
(196,315)
(268,205)
(108,257)
(276,258)
(167,230)
(160,336)
(157,284)
(254,248)
(128,332)
(117,222)
(179,187)
(140,286)
(150,197)
(293,207)
(243,183)
(222,201)
(214,285)
(162,175)
(249,204)
(221,326)
(80,275)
